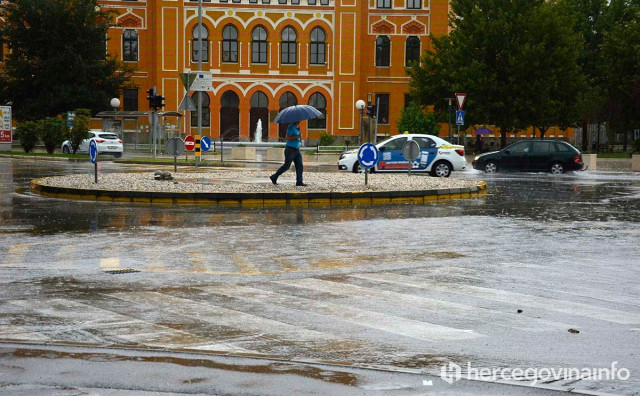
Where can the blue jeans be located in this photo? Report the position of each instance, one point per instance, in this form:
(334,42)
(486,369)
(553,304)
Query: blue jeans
(291,155)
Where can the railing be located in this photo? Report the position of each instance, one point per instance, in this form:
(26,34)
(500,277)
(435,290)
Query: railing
(331,149)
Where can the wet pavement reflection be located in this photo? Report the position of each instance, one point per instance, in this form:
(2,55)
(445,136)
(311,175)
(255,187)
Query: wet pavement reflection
(497,279)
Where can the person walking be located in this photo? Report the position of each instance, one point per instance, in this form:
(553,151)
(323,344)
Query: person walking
(479,144)
(291,154)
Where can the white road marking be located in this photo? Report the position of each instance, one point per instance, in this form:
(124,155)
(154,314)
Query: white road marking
(392,324)
(467,311)
(205,311)
(571,287)
(9,332)
(551,304)
(80,317)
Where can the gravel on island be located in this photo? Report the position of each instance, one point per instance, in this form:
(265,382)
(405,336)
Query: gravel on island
(248,181)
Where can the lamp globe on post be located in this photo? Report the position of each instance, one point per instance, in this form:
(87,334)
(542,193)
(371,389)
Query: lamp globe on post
(360,104)
(115,103)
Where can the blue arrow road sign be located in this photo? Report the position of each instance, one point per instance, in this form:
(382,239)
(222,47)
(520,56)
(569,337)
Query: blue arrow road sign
(205,143)
(93,151)
(459,117)
(368,155)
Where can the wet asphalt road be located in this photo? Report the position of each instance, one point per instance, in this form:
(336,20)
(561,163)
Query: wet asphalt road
(496,281)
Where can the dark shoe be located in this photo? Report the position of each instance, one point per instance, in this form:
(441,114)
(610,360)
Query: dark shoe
(274,180)
(301,185)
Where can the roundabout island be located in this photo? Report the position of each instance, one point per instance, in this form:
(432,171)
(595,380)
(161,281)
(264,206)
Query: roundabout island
(253,188)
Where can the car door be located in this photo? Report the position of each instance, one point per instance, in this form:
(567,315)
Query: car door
(428,152)
(541,156)
(391,158)
(515,157)
(84,145)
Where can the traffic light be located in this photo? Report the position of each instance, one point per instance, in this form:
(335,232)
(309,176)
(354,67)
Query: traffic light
(371,111)
(152,98)
(159,101)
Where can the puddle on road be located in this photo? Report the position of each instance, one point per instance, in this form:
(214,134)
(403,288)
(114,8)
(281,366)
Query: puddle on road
(333,376)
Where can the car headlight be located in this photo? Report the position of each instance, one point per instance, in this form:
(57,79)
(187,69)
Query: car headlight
(477,157)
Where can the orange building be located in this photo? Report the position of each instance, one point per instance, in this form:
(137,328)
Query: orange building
(265,55)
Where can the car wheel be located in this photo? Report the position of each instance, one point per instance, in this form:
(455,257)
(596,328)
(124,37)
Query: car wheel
(556,168)
(356,167)
(65,149)
(491,167)
(441,169)
(117,155)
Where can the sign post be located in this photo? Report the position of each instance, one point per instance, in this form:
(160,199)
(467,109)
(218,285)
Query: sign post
(460,97)
(5,127)
(411,152)
(368,158)
(175,147)
(93,156)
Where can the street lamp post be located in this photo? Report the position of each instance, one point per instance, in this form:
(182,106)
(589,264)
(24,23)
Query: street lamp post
(360,106)
(115,103)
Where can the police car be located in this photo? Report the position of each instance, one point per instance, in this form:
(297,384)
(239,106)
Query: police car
(437,156)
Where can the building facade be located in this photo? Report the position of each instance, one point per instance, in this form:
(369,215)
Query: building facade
(265,55)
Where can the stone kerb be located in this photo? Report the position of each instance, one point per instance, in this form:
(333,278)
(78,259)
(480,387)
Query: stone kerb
(635,163)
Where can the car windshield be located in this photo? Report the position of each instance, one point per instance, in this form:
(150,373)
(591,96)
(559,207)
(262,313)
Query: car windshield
(108,136)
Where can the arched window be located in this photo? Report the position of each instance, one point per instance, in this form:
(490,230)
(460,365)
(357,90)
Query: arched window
(259,99)
(318,101)
(412,50)
(229,99)
(318,46)
(130,45)
(288,47)
(287,99)
(206,111)
(259,45)
(230,44)
(200,36)
(383,50)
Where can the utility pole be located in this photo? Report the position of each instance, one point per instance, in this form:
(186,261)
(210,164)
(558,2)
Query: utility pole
(200,49)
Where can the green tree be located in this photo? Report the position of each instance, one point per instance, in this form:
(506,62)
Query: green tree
(52,132)
(620,67)
(80,129)
(489,55)
(57,59)
(27,133)
(547,60)
(414,120)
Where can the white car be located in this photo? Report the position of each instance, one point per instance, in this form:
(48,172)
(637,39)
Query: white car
(437,156)
(108,144)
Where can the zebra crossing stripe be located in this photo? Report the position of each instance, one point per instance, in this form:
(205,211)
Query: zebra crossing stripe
(388,323)
(9,332)
(105,324)
(245,266)
(503,296)
(450,308)
(241,322)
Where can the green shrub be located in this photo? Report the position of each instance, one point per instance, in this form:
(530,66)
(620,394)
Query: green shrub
(80,129)
(414,120)
(27,133)
(52,133)
(326,139)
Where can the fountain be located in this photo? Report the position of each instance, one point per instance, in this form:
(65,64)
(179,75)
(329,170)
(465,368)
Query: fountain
(258,137)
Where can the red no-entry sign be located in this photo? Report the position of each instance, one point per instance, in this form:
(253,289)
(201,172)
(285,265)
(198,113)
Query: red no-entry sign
(189,143)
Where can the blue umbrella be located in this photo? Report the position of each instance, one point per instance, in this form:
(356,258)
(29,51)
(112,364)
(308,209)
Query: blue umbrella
(483,131)
(297,113)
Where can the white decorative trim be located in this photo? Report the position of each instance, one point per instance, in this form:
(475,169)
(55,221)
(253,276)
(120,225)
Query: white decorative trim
(177,15)
(353,43)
